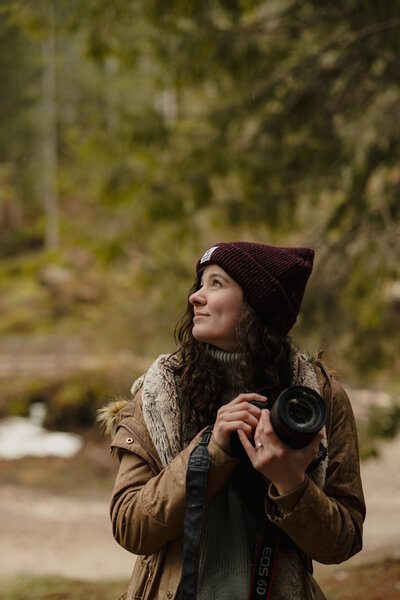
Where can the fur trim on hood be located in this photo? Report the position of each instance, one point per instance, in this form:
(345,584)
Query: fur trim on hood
(107,415)
(161,407)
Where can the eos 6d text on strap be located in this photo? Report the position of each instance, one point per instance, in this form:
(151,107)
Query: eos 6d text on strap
(264,564)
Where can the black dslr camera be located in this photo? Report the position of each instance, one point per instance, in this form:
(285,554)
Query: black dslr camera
(296,416)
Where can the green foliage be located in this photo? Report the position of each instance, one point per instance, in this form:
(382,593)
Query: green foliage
(382,423)
(180,124)
(28,238)
(74,403)
(71,401)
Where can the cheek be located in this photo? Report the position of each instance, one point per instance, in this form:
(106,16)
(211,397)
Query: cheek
(232,316)
(237,308)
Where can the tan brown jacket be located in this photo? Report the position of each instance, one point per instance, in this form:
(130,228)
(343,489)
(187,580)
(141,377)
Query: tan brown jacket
(147,506)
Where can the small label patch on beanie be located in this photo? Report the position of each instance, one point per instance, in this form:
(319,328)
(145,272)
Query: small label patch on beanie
(207,255)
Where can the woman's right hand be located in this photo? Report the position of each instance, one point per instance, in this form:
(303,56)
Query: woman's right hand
(238,414)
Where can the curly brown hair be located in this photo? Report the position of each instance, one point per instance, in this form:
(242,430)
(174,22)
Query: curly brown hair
(263,364)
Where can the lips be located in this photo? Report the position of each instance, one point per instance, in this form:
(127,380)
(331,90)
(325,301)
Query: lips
(199,316)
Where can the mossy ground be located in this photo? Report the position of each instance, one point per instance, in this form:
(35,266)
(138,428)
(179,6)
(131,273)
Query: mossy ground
(28,587)
(375,581)
(369,582)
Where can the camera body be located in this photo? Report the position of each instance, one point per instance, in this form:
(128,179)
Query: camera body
(297,415)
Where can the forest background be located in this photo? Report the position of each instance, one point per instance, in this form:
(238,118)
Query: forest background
(134,135)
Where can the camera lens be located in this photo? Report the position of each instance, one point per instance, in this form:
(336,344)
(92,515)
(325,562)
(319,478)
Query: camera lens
(297,415)
(299,411)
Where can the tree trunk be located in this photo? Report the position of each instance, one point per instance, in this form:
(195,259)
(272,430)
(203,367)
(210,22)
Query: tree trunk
(50,195)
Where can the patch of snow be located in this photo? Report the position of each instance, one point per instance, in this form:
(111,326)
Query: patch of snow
(20,436)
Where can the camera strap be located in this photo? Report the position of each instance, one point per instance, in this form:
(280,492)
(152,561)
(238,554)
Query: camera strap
(322,454)
(196,482)
(268,544)
(264,563)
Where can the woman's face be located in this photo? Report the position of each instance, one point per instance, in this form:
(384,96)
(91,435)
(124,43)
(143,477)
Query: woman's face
(217,307)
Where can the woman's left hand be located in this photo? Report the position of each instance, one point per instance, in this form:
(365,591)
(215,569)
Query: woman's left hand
(282,465)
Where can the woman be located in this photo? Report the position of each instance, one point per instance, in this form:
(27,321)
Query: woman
(233,349)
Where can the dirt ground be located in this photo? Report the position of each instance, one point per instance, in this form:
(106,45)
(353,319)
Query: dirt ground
(66,532)
(381,483)
(44,533)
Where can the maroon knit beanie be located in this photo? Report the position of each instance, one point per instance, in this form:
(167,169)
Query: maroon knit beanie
(273,279)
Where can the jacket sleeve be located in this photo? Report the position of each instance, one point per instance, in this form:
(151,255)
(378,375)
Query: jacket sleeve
(147,508)
(327,524)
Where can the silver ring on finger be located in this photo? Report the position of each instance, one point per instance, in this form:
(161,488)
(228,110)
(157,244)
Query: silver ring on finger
(258,446)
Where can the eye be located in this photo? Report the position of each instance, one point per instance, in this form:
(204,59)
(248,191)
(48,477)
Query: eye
(217,282)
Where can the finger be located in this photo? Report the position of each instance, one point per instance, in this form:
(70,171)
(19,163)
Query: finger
(234,425)
(249,448)
(228,428)
(245,427)
(245,405)
(249,396)
(244,411)
(264,424)
(243,415)
(254,410)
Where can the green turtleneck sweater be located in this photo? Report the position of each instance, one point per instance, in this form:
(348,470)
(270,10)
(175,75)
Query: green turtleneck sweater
(229,529)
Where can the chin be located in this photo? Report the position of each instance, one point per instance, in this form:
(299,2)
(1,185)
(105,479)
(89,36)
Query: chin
(201,338)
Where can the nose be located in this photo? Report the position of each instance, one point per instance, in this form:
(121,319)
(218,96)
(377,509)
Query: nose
(197,298)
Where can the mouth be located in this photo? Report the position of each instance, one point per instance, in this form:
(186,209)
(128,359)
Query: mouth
(199,316)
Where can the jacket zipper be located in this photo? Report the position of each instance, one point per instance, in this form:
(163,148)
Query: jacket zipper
(142,443)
